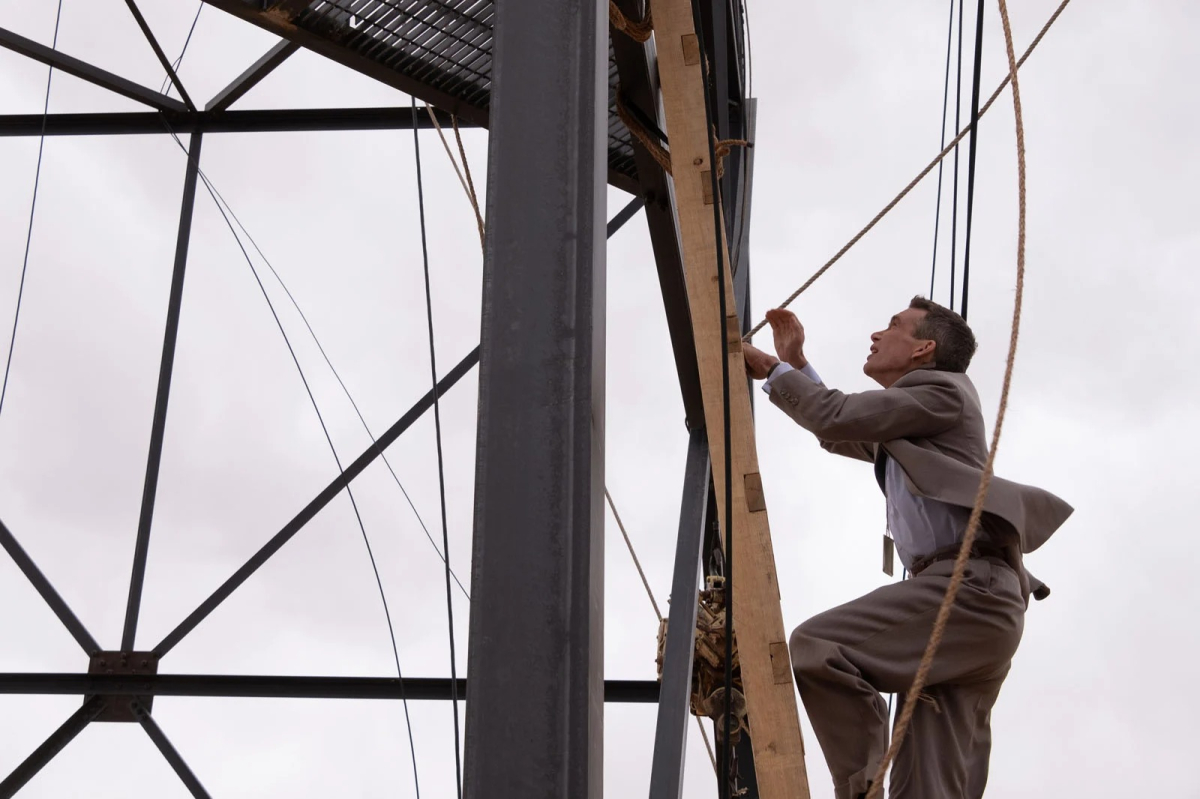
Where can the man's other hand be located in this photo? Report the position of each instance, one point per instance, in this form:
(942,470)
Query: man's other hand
(758,363)
(789,337)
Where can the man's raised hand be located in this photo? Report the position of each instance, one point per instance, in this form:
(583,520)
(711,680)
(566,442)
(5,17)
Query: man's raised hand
(758,363)
(789,337)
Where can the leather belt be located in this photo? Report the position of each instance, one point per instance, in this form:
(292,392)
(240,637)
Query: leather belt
(979,549)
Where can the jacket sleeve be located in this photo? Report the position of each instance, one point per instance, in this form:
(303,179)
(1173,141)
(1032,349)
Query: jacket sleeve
(859,450)
(921,410)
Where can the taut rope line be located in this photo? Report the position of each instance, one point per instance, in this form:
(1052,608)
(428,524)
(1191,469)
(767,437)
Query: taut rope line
(947,149)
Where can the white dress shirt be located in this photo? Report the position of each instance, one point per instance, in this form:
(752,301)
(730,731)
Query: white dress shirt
(918,525)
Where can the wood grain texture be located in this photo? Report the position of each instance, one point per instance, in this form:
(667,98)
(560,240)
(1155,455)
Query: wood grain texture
(758,619)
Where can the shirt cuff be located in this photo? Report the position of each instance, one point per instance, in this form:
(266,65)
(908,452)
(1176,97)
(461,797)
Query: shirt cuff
(783,368)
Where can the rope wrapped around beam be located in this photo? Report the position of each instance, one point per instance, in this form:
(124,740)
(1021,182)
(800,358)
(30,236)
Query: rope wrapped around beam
(653,146)
(723,147)
(638,30)
(660,154)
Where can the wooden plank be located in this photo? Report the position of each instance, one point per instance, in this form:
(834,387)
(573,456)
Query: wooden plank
(758,623)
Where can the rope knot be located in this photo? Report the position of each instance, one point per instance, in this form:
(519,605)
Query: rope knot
(723,147)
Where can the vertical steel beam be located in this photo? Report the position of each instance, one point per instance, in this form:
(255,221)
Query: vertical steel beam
(51,746)
(158,426)
(535,670)
(674,712)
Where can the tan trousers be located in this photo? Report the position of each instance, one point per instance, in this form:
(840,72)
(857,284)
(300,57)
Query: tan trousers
(845,657)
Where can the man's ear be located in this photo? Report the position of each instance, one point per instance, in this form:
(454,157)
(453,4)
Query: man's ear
(925,351)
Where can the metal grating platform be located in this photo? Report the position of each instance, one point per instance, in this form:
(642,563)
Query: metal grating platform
(437,50)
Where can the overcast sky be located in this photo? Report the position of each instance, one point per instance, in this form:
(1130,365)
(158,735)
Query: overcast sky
(1102,410)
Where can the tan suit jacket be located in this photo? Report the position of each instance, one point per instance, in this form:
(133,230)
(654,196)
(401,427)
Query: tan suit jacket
(931,424)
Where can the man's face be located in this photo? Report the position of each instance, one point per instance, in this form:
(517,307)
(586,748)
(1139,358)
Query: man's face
(895,350)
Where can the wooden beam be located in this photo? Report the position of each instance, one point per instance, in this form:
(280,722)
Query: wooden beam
(639,84)
(758,624)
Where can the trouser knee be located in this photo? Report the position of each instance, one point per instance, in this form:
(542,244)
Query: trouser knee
(809,653)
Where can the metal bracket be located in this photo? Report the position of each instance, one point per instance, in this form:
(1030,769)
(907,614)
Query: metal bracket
(118,708)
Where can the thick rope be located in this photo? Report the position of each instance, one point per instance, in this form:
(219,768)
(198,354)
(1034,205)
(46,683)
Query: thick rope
(964,553)
(723,147)
(468,187)
(639,31)
(947,149)
(462,151)
(661,155)
(653,146)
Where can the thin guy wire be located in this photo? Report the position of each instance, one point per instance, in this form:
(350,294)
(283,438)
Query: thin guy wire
(165,86)
(929,168)
(971,156)
(320,348)
(964,553)
(333,449)
(637,563)
(345,390)
(37,176)
(657,612)
(437,427)
(937,214)
(958,121)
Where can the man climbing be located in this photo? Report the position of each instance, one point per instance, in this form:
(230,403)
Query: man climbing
(924,433)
